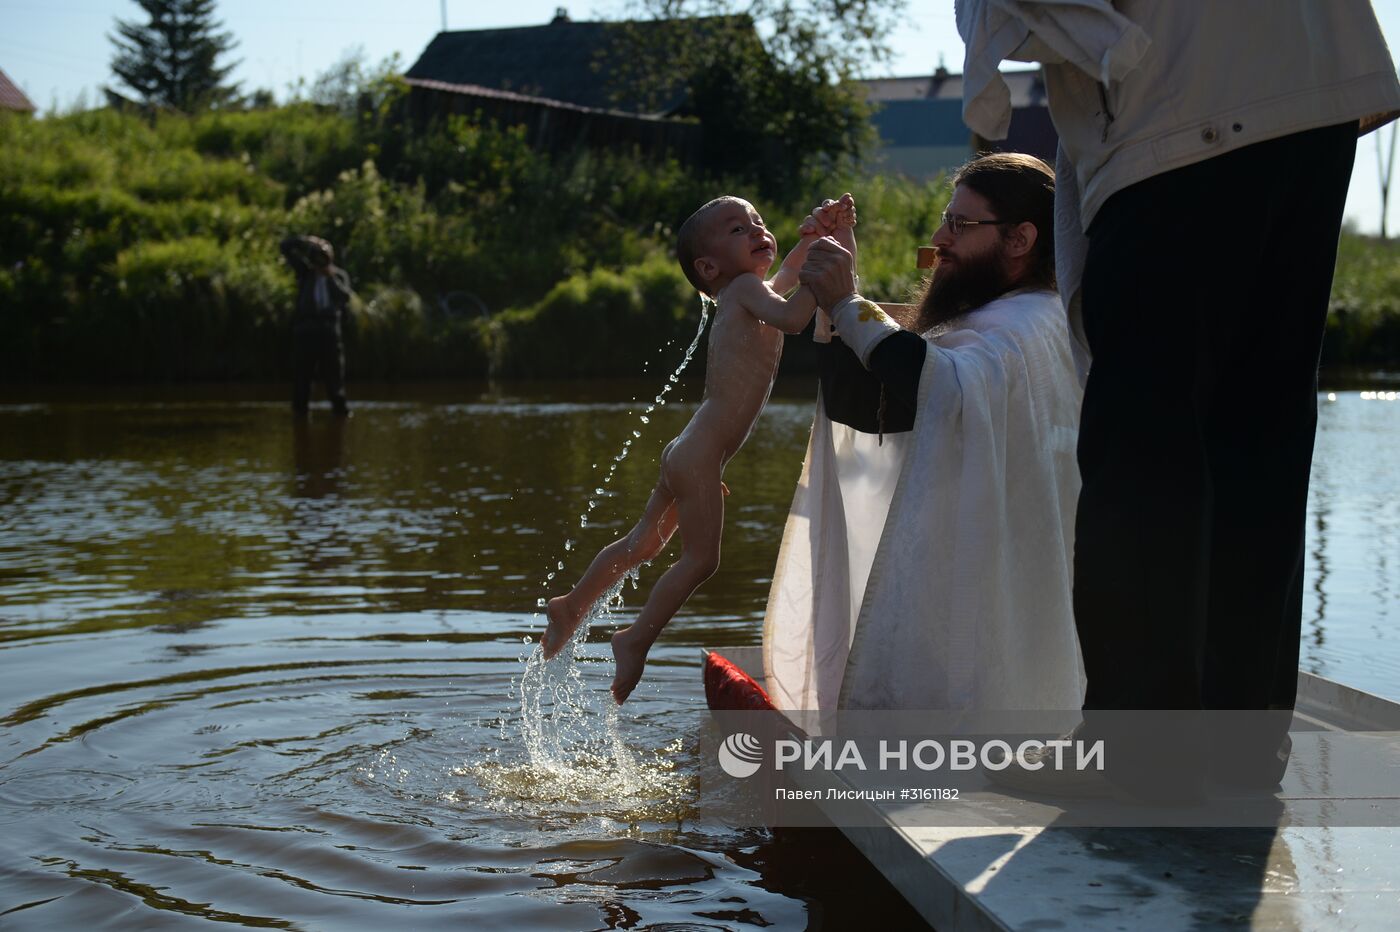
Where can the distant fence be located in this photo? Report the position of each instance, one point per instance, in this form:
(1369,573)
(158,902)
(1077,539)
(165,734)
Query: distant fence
(556,126)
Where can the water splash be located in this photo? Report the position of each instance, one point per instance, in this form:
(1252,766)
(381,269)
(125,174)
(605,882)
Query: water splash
(560,711)
(558,706)
(574,766)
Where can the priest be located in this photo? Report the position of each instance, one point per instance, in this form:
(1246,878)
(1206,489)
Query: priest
(926,561)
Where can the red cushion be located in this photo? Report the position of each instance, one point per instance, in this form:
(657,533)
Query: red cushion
(728,688)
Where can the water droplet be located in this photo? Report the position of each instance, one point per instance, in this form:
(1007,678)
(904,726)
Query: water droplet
(526,639)
(541,603)
(636,433)
(561,564)
(645,419)
(598,491)
(569,544)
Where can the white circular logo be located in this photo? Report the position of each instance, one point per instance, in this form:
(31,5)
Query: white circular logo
(740,755)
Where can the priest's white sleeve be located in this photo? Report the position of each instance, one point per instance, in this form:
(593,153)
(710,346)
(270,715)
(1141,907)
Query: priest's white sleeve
(862,325)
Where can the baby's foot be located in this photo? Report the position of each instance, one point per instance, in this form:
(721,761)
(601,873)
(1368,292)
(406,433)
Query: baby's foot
(630,652)
(563,622)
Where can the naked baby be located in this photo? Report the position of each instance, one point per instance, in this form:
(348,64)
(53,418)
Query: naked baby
(725,251)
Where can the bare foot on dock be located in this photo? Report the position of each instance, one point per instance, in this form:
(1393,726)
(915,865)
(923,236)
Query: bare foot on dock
(630,652)
(563,622)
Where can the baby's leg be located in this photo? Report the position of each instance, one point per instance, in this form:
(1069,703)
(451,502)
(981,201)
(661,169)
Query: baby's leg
(642,543)
(700,511)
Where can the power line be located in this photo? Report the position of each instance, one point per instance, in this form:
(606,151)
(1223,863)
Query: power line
(83,59)
(38,61)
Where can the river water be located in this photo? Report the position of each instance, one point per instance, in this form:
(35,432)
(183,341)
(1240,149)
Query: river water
(270,673)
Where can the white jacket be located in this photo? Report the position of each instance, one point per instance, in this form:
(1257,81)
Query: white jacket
(1214,75)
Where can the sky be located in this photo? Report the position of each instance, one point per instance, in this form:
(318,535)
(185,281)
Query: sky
(58,52)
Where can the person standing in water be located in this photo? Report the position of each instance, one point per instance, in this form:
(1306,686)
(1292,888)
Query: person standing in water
(725,251)
(323,300)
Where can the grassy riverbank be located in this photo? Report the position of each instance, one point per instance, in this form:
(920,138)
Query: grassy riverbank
(132,250)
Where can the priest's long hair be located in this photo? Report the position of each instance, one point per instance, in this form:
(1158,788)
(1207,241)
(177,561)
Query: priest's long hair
(1020,188)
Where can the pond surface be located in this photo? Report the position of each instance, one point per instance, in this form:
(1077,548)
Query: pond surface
(270,673)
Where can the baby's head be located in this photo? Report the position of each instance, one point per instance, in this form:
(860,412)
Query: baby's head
(723,240)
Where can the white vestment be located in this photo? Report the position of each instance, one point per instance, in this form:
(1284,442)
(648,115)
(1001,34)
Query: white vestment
(934,571)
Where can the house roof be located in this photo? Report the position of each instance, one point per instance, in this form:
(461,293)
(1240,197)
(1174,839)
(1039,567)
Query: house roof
(1027,87)
(476,90)
(11,97)
(563,60)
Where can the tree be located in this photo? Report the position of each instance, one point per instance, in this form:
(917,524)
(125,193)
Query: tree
(353,81)
(173,60)
(771,106)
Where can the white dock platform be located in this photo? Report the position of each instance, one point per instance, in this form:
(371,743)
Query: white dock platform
(1289,878)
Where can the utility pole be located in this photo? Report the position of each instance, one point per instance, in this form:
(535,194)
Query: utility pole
(1386,169)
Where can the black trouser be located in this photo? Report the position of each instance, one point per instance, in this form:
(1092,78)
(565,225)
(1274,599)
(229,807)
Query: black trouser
(1205,297)
(318,354)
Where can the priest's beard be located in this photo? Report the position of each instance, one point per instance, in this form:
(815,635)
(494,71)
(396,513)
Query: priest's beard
(958,289)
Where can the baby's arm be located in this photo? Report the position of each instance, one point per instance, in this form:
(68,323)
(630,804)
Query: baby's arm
(836,219)
(758,298)
(843,213)
(786,279)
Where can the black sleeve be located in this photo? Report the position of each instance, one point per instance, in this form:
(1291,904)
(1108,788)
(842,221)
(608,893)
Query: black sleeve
(294,251)
(852,394)
(897,361)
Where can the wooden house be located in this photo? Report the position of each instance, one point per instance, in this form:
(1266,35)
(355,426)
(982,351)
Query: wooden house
(559,81)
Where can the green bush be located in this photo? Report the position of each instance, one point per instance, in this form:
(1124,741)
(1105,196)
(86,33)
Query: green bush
(1363,324)
(182,309)
(390,332)
(301,147)
(394,334)
(594,324)
(184,175)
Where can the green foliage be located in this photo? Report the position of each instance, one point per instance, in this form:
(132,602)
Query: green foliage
(394,333)
(1363,324)
(301,147)
(148,249)
(352,81)
(597,323)
(772,108)
(177,309)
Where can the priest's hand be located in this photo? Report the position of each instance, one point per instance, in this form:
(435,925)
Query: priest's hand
(829,271)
